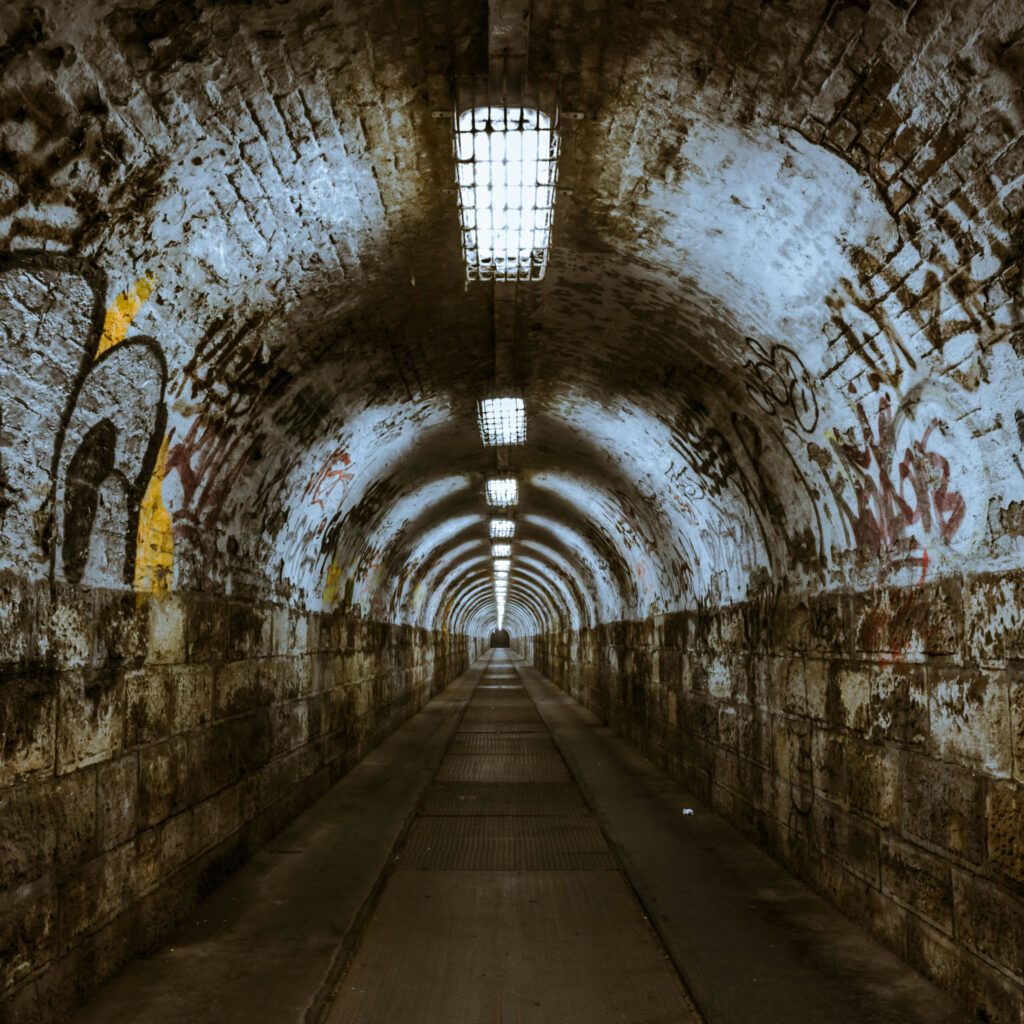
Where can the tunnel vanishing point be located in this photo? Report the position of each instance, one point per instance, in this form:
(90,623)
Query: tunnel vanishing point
(760,344)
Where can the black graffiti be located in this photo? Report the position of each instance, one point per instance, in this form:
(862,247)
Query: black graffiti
(107,418)
(781,382)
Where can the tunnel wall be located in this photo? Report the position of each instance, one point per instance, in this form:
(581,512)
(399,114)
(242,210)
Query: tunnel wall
(872,742)
(151,745)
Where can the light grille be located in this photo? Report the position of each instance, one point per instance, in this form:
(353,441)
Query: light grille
(504,528)
(502,492)
(502,421)
(506,170)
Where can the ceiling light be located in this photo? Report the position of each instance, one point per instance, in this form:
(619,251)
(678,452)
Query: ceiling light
(502,492)
(502,528)
(502,564)
(506,168)
(502,421)
(501,550)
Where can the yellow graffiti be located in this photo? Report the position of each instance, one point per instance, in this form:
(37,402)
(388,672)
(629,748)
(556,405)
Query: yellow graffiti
(333,586)
(154,544)
(123,311)
(154,552)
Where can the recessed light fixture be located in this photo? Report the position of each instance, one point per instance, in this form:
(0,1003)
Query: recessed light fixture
(506,169)
(501,550)
(502,528)
(502,421)
(502,492)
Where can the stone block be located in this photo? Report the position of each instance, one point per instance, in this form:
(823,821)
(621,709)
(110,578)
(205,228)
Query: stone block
(828,753)
(241,686)
(28,723)
(995,618)
(166,624)
(932,953)
(29,820)
(254,740)
(900,705)
(873,781)
(213,760)
(1006,830)
(919,880)
(206,628)
(192,687)
(989,920)
(176,842)
(850,841)
(827,633)
(116,801)
(1015,683)
(121,629)
(90,724)
(70,629)
(74,796)
(848,696)
(970,718)
(28,930)
(163,781)
(248,631)
(149,699)
(943,805)
(97,894)
(793,691)
(145,862)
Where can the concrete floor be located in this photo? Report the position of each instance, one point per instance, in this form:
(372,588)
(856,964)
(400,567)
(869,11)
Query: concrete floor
(504,857)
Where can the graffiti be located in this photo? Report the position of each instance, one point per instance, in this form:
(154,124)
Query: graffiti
(332,585)
(937,303)
(123,311)
(781,382)
(333,474)
(233,369)
(207,462)
(100,416)
(901,489)
(154,559)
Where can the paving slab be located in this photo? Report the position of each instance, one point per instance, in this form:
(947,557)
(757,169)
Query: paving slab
(752,943)
(268,945)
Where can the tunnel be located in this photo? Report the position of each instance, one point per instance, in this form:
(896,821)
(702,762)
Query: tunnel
(395,389)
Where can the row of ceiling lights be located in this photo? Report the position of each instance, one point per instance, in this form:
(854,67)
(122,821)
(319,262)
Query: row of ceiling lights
(506,170)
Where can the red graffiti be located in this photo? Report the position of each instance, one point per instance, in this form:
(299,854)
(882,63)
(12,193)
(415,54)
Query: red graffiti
(207,463)
(896,494)
(328,479)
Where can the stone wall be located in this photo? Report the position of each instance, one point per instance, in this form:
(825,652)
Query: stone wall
(149,746)
(872,742)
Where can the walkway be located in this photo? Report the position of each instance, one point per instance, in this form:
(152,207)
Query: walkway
(471,870)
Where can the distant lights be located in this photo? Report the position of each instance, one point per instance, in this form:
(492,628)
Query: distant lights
(502,421)
(502,492)
(501,550)
(506,168)
(504,528)
(502,564)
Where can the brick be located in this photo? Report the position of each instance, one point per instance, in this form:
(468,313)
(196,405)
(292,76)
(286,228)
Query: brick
(28,930)
(987,921)
(28,724)
(900,705)
(919,880)
(970,718)
(163,781)
(91,717)
(166,622)
(943,805)
(1005,821)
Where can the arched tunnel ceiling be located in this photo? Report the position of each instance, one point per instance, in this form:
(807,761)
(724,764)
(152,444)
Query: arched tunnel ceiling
(778,338)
